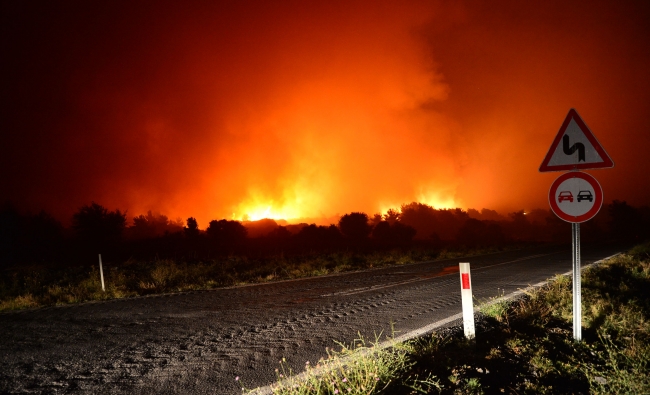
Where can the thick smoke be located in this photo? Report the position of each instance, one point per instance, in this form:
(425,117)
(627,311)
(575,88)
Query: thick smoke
(312,109)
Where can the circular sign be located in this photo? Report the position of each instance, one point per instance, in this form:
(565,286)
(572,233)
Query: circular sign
(575,197)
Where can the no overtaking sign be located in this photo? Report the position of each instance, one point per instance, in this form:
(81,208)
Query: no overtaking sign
(575,197)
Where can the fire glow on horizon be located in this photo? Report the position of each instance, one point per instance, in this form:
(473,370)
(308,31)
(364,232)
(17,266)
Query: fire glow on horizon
(289,110)
(290,214)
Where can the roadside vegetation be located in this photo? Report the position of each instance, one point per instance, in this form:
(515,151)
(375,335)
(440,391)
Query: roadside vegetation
(522,347)
(42,286)
(43,263)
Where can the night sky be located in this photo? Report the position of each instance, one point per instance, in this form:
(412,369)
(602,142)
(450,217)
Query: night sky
(301,109)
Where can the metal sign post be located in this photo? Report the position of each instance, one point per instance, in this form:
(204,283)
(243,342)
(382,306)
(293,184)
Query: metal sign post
(575,197)
(577,298)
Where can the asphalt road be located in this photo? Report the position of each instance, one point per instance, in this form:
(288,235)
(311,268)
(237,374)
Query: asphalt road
(197,343)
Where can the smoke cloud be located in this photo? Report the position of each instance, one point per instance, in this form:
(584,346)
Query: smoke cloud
(248,110)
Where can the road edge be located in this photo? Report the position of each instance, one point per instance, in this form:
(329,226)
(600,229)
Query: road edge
(268,389)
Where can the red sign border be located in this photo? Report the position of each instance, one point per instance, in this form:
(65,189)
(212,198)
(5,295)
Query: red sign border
(586,216)
(573,114)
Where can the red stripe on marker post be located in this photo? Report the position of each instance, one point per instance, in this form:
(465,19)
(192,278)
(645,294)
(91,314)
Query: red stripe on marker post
(466,295)
(465,280)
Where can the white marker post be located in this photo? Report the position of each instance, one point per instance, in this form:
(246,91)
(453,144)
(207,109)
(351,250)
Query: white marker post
(101,272)
(468,305)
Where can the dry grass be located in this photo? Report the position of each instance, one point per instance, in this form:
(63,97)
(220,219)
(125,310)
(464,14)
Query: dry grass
(522,347)
(35,287)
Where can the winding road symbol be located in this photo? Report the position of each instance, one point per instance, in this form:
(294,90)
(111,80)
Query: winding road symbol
(569,150)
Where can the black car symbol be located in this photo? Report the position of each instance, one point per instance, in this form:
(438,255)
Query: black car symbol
(585,195)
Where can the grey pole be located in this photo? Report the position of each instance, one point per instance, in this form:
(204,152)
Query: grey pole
(577,300)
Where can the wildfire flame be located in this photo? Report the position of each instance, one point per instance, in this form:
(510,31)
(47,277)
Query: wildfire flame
(291,110)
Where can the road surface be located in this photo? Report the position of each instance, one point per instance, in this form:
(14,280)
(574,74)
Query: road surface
(199,342)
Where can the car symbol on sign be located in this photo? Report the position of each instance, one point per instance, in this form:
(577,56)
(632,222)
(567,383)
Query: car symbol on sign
(585,195)
(565,195)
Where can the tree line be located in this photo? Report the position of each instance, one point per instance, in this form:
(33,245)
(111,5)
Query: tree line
(40,238)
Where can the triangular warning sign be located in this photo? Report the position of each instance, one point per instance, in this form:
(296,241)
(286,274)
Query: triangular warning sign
(575,147)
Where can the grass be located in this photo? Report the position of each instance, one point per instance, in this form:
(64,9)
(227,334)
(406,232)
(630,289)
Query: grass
(32,287)
(522,347)
(357,368)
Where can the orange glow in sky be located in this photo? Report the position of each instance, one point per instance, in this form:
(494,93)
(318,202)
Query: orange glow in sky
(296,110)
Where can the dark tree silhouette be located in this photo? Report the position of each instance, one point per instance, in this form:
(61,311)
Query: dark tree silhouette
(332,233)
(382,232)
(392,216)
(431,223)
(97,226)
(375,219)
(318,235)
(480,233)
(45,234)
(625,222)
(449,222)
(227,232)
(556,229)
(519,218)
(519,228)
(402,233)
(152,225)
(396,233)
(485,215)
(310,234)
(192,228)
(421,217)
(260,228)
(280,233)
(29,238)
(354,226)
(11,229)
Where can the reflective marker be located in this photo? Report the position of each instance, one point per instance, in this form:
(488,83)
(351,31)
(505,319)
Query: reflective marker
(101,272)
(465,277)
(466,295)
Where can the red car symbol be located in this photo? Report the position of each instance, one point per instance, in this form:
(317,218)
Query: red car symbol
(565,195)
